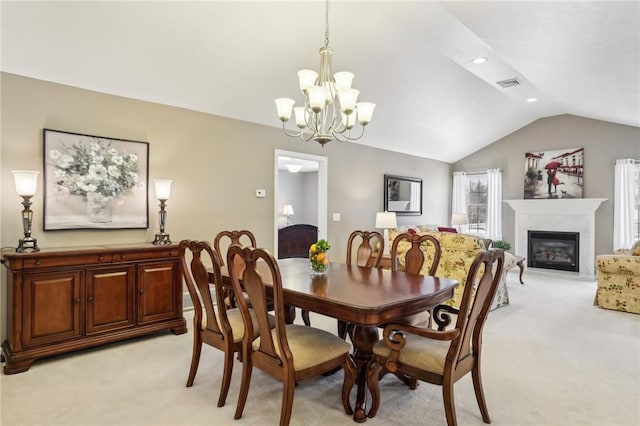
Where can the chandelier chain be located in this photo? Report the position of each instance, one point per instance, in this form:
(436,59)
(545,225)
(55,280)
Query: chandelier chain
(326,23)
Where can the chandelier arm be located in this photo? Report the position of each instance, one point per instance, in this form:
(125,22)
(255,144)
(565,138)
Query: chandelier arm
(347,138)
(287,132)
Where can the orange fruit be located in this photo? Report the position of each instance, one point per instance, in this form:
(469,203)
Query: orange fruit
(313,248)
(320,257)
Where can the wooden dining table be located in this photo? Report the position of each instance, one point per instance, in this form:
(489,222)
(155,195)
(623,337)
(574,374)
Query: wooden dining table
(364,297)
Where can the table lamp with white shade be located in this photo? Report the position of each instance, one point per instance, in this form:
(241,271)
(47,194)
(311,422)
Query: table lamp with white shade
(287,211)
(26,182)
(163,192)
(386,220)
(459,218)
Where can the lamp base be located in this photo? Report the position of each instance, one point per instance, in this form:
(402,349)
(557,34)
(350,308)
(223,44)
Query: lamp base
(27,243)
(162,239)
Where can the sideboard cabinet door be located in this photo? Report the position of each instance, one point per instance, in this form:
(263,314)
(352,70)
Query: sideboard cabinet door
(52,307)
(159,294)
(110,298)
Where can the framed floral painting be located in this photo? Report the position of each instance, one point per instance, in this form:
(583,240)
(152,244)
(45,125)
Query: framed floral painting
(94,182)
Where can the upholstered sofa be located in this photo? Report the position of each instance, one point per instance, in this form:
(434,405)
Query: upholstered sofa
(458,252)
(619,280)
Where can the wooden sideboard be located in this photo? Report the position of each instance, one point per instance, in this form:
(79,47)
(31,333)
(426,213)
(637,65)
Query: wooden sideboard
(60,300)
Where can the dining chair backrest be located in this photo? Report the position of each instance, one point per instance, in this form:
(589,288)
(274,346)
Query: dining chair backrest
(196,277)
(415,256)
(370,241)
(242,237)
(480,288)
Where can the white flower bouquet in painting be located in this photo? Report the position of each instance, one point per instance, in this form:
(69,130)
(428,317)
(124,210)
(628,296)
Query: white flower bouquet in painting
(95,171)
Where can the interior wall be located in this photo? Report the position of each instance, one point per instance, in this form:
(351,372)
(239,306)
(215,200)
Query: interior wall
(603,143)
(216,165)
(301,191)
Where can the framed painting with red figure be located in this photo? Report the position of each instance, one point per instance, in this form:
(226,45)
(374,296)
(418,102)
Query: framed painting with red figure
(555,173)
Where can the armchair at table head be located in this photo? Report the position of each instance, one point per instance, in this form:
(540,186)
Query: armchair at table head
(445,355)
(289,352)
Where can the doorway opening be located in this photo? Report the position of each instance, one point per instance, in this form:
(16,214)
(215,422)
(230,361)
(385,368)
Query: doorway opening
(312,206)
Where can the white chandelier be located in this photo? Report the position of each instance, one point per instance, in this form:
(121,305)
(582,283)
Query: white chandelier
(330,109)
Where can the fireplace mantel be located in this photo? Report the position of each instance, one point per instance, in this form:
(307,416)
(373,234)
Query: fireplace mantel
(585,206)
(563,215)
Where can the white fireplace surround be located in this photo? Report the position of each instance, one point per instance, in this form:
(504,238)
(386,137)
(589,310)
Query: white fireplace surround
(560,215)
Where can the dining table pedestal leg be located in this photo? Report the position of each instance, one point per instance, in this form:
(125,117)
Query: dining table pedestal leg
(364,338)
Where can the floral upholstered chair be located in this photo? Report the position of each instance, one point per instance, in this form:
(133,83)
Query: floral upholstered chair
(619,280)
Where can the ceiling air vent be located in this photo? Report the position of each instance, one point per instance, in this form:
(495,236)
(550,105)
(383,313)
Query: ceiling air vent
(510,82)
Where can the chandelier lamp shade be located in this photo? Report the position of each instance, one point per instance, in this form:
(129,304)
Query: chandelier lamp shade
(331,108)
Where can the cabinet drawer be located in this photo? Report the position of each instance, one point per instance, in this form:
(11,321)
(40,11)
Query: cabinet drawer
(60,261)
(125,256)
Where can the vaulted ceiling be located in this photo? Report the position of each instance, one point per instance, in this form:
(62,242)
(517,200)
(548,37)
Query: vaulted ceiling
(413,59)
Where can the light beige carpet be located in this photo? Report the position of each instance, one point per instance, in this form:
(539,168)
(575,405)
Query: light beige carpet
(550,359)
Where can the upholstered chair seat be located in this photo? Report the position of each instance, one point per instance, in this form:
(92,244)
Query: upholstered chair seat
(305,342)
(420,353)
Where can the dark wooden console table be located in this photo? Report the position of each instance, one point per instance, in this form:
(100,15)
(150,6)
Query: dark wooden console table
(60,300)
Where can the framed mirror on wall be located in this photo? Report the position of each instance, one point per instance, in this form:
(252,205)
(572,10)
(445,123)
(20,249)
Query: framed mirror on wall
(403,195)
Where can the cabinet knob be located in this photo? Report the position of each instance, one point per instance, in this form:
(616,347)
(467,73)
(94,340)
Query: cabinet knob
(90,298)
(78,300)
(122,256)
(100,258)
(141,290)
(37,262)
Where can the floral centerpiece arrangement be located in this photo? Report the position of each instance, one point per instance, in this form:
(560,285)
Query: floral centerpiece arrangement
(319,257)
(95,171)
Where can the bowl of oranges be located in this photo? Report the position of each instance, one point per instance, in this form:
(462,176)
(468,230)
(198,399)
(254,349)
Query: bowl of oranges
(319,257)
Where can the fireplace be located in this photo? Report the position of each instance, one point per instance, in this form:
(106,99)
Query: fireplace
(554,250)
(560,215)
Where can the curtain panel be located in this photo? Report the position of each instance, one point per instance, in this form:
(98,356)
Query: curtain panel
(623,232)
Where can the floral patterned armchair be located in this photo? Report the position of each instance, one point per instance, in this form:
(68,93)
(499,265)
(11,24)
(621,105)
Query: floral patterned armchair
(619,280)
(458,253)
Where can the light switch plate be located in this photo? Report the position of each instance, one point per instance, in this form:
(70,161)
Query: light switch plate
(261,193)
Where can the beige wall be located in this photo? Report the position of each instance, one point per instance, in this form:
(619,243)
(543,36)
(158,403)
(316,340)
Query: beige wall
(603,143)
(216,165)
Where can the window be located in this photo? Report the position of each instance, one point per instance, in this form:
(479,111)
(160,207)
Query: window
(477,203)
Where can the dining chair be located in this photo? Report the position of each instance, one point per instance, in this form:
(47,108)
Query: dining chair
(445,355)
(370,242)
(414,263)
(289,352)
(213,322)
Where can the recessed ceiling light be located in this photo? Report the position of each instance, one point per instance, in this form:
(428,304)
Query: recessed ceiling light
(479,60)
(532,100)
